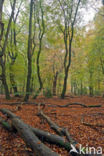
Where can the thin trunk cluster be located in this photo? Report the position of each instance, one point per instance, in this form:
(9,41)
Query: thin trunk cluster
(3,49)
(68,33)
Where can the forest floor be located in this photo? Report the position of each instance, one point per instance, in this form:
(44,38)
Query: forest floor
(69,117)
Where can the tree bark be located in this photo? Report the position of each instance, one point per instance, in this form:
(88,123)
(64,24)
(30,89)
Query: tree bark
(3,75)
(65,80)
(29,53)
(41,34)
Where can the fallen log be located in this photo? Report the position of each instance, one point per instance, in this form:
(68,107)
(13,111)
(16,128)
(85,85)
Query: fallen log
(25,132)
(51,138)
(5,124)
(19,103)
(79,104)
(64,132)
(42,135)
(59,130)
(50,105)
(28,136)
(91,125)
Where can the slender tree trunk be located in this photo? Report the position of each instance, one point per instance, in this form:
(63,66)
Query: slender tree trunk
(91,85)
(38,69)
(29,53)
(75,88)
(55,83)
(91,90)
(41,34)
(4,82)
(66,78)
(72,87)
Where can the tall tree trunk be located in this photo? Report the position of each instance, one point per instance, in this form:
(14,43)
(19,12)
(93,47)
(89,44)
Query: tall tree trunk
(90,90)
(75,88)
(41,34)
(72,87)
(91,85)
(29,52)
(4,82)
(55,83)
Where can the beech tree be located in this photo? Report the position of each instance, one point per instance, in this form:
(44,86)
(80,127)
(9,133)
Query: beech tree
(29,52)
(41,25)
(69,13)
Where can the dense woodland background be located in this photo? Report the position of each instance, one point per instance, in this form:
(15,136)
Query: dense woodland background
(47,49)
(53,50)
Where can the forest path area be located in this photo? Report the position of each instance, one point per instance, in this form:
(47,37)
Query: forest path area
(69,117)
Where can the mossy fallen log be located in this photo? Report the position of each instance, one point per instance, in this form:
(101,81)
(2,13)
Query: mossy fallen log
(28,136)
(42,135)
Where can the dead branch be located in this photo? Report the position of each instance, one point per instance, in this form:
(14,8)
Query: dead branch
(89,124)
(80,104)
(59,130)
(51,105)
